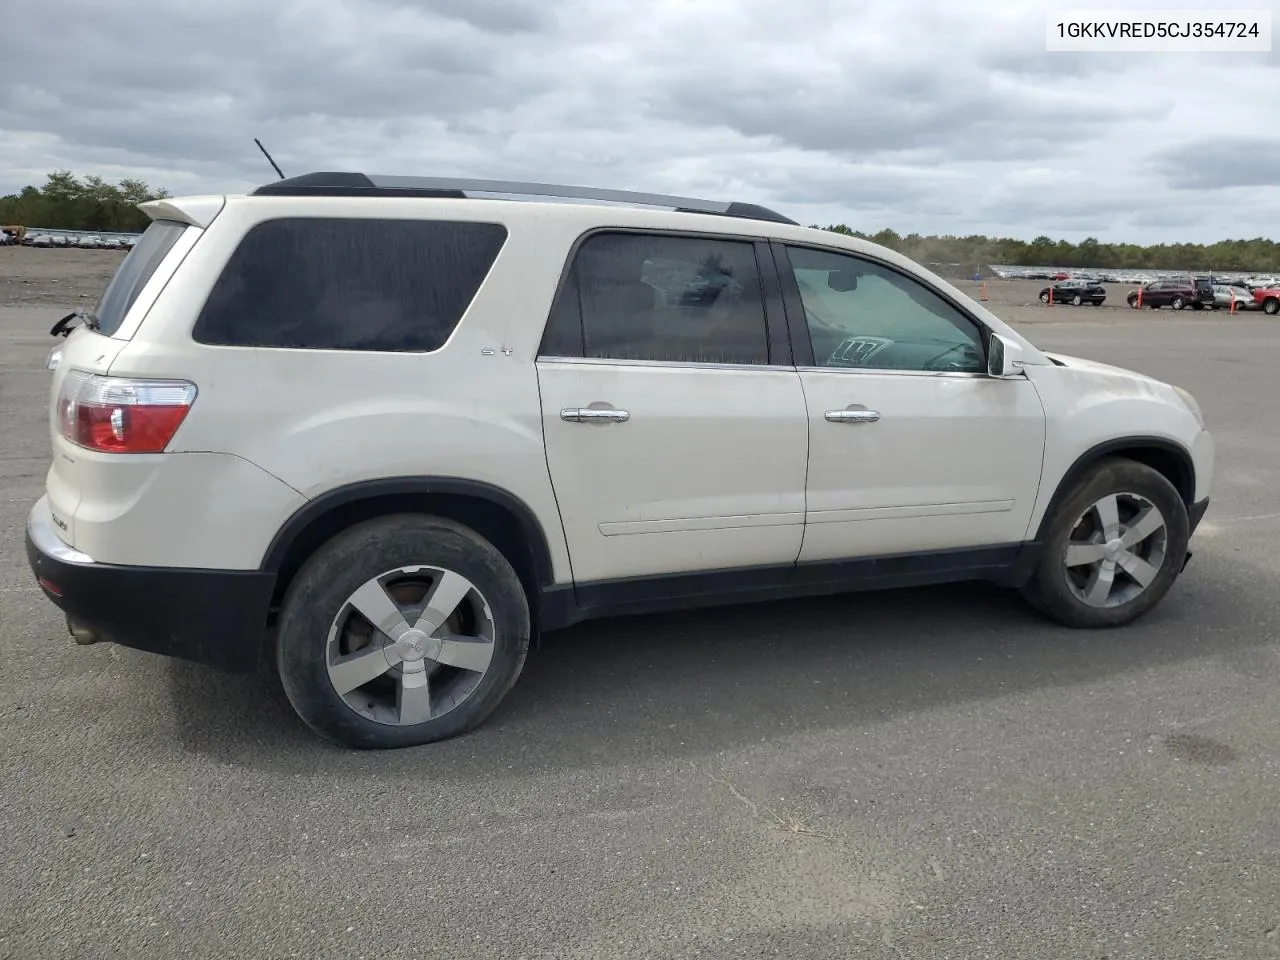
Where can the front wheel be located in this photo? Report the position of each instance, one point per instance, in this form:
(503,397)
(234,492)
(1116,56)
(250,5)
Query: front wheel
(1113,548)
(1178,303)
(1271,307)
(1077,300)
(402,631)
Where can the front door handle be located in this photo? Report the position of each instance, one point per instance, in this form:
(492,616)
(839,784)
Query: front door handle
(853,416)
(593,415)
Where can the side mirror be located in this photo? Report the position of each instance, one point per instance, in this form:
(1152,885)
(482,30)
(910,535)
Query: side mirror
(1004,358)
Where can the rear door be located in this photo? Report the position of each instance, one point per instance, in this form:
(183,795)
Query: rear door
(675,424)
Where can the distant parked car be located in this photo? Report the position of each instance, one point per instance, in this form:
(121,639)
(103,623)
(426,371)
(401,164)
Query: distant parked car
(1224,293)
(1267,299)
(1075,292)
(1178,294)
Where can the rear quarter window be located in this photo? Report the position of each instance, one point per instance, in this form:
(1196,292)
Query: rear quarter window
(349,284)
(134,272)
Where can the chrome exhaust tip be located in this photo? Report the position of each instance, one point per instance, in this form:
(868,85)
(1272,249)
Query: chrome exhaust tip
(83,635)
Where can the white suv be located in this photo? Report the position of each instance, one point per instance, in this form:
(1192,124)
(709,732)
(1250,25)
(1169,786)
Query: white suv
(380,431)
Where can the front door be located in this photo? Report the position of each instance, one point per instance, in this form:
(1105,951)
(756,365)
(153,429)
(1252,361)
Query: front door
(676,433)
(913,448)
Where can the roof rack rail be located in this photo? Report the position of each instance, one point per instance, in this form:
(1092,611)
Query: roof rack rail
(338,184)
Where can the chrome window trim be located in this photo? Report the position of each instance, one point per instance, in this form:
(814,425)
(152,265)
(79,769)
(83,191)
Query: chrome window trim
(676,364)
(883,371)
(698,365)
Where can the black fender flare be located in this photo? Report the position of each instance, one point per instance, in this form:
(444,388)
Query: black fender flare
(316,509)
(1185,481)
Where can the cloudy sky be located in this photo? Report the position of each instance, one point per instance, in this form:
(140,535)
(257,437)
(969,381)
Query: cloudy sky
(938,116)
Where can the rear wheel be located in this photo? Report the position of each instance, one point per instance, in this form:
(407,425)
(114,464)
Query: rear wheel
(402,631)
(1113,548)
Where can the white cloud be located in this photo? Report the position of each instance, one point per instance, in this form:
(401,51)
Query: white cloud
(917,114)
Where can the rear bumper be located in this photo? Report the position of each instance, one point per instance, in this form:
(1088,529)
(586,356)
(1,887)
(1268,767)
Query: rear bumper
(215,617)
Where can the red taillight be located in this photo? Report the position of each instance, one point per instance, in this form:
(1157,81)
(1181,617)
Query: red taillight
(120,414)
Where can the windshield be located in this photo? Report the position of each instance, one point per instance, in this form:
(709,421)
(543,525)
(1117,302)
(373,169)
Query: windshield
(133,274)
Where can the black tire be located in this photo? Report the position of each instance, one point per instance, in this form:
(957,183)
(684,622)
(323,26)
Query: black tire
(1048,590)
(1077,300)
(1132,300)
(1044,297)
(1178,303)
(332,575)
(1271,307)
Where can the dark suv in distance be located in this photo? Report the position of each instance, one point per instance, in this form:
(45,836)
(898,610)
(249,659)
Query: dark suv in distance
(1196,293)
(1075,292)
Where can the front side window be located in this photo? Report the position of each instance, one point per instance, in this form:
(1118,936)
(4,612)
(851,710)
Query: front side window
(865,315)
(672,299)
(319,283)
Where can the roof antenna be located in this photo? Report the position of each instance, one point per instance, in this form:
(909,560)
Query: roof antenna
(268,156)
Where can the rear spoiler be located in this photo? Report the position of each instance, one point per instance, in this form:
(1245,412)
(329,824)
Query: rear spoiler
(196,211)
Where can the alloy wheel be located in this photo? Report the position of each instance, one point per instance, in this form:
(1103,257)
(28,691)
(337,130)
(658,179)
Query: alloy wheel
(410,645)
(1116,549)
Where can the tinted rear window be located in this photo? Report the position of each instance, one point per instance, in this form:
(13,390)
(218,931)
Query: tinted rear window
(347,284)
(156,241)
(632,296)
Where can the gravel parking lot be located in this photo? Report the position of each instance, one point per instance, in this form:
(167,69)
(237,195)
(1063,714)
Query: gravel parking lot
(922,773)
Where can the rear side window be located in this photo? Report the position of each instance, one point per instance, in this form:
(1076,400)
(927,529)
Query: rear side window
(633,296)
(134,272)
(349,284)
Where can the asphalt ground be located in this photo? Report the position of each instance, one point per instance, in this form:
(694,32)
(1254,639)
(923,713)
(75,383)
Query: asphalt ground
(920,773)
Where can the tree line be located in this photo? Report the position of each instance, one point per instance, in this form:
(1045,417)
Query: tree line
(67,202)
(1256,256)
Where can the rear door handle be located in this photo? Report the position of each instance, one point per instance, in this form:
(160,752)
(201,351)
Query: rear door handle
(592,415)
(853,416)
